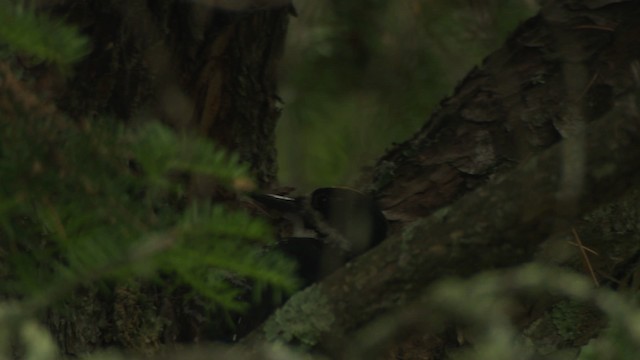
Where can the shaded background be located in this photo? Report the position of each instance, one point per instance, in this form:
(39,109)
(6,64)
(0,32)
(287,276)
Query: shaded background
(360,75)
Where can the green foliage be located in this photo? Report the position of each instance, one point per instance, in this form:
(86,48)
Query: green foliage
(83,203)
(26,32)
(91,202)
(35,339)
(495,337)
(160,152)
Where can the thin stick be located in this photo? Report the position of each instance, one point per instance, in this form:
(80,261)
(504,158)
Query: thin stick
(585,257)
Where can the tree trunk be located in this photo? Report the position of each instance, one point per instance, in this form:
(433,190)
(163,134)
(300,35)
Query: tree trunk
(570,73)
(204,70)
(197,68)
(512,106)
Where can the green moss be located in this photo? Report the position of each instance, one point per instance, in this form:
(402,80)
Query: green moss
(566,318)
(303,319)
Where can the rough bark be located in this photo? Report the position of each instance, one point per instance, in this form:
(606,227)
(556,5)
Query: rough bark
(558,73)
(511,106)
(195,67)
(199,69)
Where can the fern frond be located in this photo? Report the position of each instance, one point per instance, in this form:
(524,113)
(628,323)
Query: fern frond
(47,39)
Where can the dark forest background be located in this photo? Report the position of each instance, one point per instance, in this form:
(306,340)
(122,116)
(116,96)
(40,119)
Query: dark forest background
(498,138)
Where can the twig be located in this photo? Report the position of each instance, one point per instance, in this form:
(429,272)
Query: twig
(585,257)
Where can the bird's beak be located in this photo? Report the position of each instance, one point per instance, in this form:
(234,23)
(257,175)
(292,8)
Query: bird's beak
(277,202)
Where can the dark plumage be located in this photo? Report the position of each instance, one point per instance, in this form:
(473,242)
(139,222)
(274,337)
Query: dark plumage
(338,225)
(321,233)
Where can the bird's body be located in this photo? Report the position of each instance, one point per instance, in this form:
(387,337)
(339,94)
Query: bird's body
(321,232)
(328,228)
